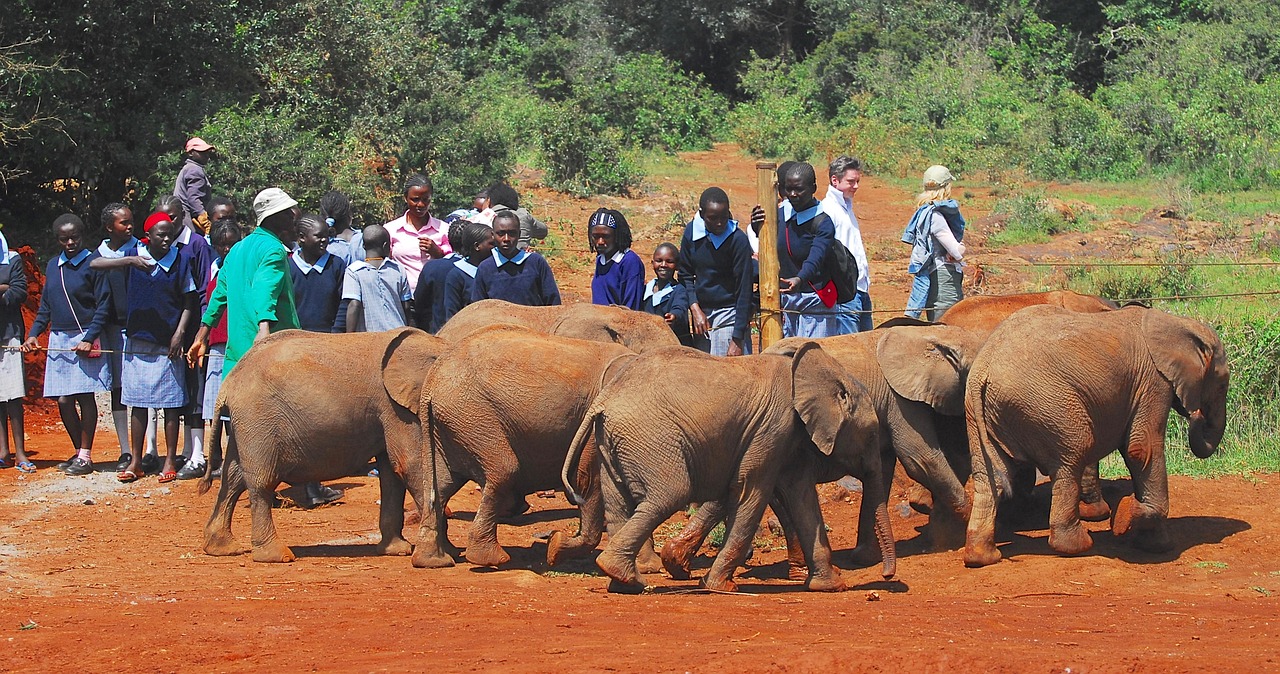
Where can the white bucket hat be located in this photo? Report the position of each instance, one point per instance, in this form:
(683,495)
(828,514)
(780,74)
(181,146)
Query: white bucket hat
(937,176)
(271,201)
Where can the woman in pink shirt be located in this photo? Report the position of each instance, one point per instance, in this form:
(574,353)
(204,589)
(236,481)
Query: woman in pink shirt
(416,236)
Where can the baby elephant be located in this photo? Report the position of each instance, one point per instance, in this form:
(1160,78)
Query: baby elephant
(737,430)
(1061,390)
(307,407)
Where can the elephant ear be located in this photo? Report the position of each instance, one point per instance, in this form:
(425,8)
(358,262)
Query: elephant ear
(405,362)
(1184,352)
(820,394)
(928,365)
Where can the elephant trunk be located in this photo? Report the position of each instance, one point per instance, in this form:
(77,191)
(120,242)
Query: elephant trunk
(1198,437)
(884,534)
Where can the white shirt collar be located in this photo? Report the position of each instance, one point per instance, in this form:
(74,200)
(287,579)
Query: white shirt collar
(698,230)
(62,258)
(307,268)
(501,259)
(104,249)
(658,295)
(615,258)
(165,263)
(184,237)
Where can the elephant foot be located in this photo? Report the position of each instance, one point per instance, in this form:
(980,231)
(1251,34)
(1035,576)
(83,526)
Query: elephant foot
(273,552)
(561,547)
(619,587)
(833,582)
(1095,511)
(1070,540)
(222,546)
(976,556)
(677,555)
(866,555)
(946,530)
(619,568)
(487,554)
(718,584)
(422,559)
(1128,515)
(394,547)
(647,560)
(920,498)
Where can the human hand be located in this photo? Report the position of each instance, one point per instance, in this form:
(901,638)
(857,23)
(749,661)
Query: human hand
(83,347)
(264,329)
(430,248)
(757,218)
(196,354)
(175,346)
(700,325)
(30,345)
(735,348)
(669,318)
(139,262)
(788,285)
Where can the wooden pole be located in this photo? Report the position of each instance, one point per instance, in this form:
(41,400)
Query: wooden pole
(770,300)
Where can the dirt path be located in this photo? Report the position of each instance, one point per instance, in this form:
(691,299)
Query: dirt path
(112,578)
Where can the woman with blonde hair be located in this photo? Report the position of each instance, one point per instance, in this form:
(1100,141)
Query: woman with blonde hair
(936,232)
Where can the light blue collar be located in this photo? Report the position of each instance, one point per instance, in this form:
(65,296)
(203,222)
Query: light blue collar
(104,249)
(307,268)
(785,212)
(165,263)
(698,230)
(4,248)
(658,295)
(501,259)
(75,261)
(461,263)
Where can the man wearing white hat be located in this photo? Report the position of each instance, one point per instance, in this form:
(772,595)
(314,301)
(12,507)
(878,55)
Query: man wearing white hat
(192,185)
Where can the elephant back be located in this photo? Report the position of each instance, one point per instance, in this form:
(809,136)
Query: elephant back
(479,315)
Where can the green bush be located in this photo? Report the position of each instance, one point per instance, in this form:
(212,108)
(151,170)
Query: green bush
(583,159)
(1078,138)
(653,104)
(778,118)
(1029,218)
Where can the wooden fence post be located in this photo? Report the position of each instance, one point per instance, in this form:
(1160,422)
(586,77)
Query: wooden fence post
(770,300)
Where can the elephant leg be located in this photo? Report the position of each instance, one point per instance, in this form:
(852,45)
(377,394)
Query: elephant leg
(591,517)
(431,492)
(740,529)
(919,447)
(1093,508)
(266,546)
(797,561)
(1066,534)
(482,541)
(618,560)
(391,491)
(679,551)
(1145,512)
(798,511)
(990,480)
(218,540)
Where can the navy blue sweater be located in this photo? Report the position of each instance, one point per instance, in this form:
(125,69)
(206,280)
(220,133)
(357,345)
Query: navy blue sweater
(428,296)
(457,292)
(802,250)
(675,303)
(318,294)
(200,255)
(156,301)
(715,278)
(89,294)
(620,283)
(529,283)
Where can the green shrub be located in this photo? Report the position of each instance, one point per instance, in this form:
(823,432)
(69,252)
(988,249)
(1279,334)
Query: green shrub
(653,103)
(582,159)
(1080,139)
(1030,218)
(778,118)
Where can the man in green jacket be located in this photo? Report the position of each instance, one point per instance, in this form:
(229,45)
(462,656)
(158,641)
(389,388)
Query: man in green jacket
(255,291)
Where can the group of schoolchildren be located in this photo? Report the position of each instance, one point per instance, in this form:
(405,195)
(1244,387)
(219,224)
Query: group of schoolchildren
(119,317)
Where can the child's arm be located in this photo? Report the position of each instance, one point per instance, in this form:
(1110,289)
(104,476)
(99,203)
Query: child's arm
(354,309)
(406,302)
(135,261)
(15,292)
(480,286)
(212,314)
(191,302)
(745,267)
(351,294)
(550,292)
(633,282)
(101,307)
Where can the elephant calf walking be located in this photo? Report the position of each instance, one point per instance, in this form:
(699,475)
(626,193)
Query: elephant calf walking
(1061,390)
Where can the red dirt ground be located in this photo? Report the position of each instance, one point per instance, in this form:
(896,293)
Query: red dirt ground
(100,576)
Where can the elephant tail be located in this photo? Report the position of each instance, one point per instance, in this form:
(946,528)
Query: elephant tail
(572,462)
(213,442)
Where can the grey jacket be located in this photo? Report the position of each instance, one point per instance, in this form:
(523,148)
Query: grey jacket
(530,227)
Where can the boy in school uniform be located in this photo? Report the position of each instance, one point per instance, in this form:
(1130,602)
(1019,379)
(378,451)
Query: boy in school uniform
(375,288)
(717,272)
(517,276)
(317,276)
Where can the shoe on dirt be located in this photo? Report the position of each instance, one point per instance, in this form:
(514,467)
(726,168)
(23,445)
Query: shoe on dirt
(191,471)
(78,466)
(63,466)
(319,494)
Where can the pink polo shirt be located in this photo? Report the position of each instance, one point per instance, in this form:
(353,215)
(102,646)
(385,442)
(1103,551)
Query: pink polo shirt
(404,244)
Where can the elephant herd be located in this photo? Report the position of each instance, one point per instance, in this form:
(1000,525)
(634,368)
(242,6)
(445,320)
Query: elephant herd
(604,403)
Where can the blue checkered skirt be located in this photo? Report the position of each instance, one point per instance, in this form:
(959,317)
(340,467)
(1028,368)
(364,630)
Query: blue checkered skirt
(151,378)
(13,385)
(67,373)
(113,341)
(213,379)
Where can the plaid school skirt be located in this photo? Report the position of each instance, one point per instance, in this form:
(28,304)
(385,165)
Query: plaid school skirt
(151,378)
(67,373)
(213,379)
(13,385)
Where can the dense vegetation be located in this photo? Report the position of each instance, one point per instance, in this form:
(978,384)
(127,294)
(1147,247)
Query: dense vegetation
(97,96)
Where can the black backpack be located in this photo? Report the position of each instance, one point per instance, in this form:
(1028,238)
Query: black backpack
(841,267)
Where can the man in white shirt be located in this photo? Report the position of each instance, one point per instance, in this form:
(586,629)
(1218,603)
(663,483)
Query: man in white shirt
(845,173)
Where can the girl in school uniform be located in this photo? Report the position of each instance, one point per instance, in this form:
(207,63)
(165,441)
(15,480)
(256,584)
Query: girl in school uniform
(13,385)
(161,304)
(666,298)
(74,307)
(476,242)
(514,275)
(619,275)
(117,225)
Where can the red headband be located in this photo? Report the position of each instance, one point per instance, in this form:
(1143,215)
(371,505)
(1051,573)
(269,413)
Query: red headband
(155,218)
